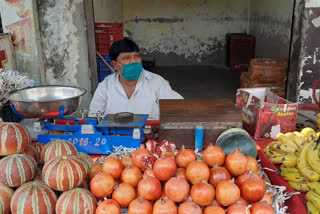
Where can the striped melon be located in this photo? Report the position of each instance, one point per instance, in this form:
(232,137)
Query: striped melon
(39,147)
(64,172)
(86,159)
(57,148)
(17,169)
(5,198)
(32,151)
(76,201)
(33,197)
(14,138)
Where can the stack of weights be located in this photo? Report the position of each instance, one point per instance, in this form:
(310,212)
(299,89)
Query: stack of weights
(270,73)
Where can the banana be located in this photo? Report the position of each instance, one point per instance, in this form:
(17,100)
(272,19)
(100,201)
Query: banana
(315,186)
(294,177)
(289,160)
(318,115)
(278,135)
(300,136)
(313,197)
(286,169)
(312,209)
(302,187)
(304,167)
(287,141)
(298,141)
(269,152)
(313,156)
(280,147)
(309,133)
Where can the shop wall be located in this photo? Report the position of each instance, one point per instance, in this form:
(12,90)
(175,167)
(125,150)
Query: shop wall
(181,32)
(64,43)
(107,11)
(305,53)
(19,18)
(270,22)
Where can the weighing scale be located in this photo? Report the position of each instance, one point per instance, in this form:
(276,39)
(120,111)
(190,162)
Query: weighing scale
(91,137)
(51,103)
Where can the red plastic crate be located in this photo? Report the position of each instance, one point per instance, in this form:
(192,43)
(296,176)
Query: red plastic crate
(240,50)
(106,34)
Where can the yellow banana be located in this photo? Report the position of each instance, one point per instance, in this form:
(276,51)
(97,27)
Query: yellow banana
(302,187)
(318,115)
(298,141)
(287,141)
(289,160)
(304,167)
(300,136)
(318,135)
(312,209)
(288,169)
(315,186)
(269,152)
(309,133)
(314,198)
(294,177)
(278,135)
(318,121)
(280,147)
(313,156)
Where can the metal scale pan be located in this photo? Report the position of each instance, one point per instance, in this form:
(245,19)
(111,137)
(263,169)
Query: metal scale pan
(46,102)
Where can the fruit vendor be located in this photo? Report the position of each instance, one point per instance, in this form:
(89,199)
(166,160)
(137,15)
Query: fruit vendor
(131,88)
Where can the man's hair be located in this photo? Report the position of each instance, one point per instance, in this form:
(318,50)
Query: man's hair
(124,45)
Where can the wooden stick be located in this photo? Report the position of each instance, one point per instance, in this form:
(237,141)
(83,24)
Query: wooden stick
(105,62)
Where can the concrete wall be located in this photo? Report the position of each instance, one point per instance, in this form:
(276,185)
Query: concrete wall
(180,32)
(305,54)
(20,19)
(108,11)
(270,22)
(64,43)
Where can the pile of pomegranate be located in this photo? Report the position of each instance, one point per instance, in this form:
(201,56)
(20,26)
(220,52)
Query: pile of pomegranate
(158,181)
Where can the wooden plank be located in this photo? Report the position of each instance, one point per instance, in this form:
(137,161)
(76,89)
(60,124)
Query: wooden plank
(216,110)
(178,119)
(88,6)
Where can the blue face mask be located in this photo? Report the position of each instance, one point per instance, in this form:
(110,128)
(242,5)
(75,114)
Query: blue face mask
(132,71)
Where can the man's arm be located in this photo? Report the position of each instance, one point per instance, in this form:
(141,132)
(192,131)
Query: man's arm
(166,91)
(99,101)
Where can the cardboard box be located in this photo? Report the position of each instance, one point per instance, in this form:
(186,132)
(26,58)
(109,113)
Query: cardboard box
(265,114)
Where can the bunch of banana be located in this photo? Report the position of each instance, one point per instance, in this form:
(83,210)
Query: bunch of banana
(296,180)
(318,122)
(284,151)
(313,203)
(298,153)
(313,197)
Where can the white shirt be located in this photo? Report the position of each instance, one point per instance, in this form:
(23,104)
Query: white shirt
(111,98)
